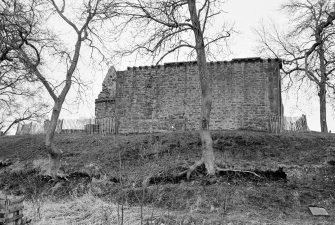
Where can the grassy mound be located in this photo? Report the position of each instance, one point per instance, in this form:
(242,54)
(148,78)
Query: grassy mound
(106,173)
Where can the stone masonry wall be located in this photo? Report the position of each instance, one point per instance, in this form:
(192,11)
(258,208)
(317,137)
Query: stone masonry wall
(159,98)
(105,104)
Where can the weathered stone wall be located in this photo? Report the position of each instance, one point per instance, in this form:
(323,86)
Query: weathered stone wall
(245,93)
(105,104)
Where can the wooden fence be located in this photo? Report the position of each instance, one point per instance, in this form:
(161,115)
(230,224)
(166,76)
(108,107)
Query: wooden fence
(278,124)
(275,124)
(11,211)
(36,128)
(24,128)
(89,126)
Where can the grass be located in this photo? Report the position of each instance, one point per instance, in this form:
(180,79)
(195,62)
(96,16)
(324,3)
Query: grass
(86,210)
(107,173)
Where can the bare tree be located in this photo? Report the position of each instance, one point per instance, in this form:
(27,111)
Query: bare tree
(308,49)
(14,83)
(16,25)
(44,42)
(17,84)
(19,112)
(168,27)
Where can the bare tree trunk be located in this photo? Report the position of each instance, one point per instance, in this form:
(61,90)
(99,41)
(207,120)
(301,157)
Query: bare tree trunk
(323,112)
(322,87)
(208,157)
(55,153)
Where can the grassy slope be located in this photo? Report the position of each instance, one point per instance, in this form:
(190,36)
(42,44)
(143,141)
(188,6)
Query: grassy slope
(233,197)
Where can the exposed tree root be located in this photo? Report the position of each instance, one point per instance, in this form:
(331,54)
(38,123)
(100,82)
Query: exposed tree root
(241,171)
(218,169)
(57,177)
(193,167)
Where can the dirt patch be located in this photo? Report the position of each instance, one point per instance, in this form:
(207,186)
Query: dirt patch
(252,176)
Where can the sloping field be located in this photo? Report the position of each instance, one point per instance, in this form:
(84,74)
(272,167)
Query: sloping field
(140,174)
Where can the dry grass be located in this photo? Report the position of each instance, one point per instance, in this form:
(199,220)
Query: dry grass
(92,210)
(85,210)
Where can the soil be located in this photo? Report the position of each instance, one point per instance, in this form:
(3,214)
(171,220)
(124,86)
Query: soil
(294,171)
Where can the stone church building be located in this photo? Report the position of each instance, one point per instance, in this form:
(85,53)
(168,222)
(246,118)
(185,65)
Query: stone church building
(246,93)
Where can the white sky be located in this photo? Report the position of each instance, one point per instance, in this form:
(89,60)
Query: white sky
(246,15)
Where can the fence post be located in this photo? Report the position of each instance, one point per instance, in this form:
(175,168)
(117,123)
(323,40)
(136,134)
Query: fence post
(109,125)
(17,129)
(112,125)
(11,211)
(279,120)
(101,126)
(277,124)
(97,125)
(60,126)
(90,127)
(116,125)
(30,127)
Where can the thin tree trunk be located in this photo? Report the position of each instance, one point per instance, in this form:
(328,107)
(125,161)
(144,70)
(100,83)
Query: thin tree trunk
(322,93)
(208,157)
(55,153)
(323,112)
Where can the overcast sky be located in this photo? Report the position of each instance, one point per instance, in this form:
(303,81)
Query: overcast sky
(246,15)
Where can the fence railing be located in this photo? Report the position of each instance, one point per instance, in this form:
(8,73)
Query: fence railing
(296,124)
(89,126)
(11,211)
(278,124)
(275,124)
